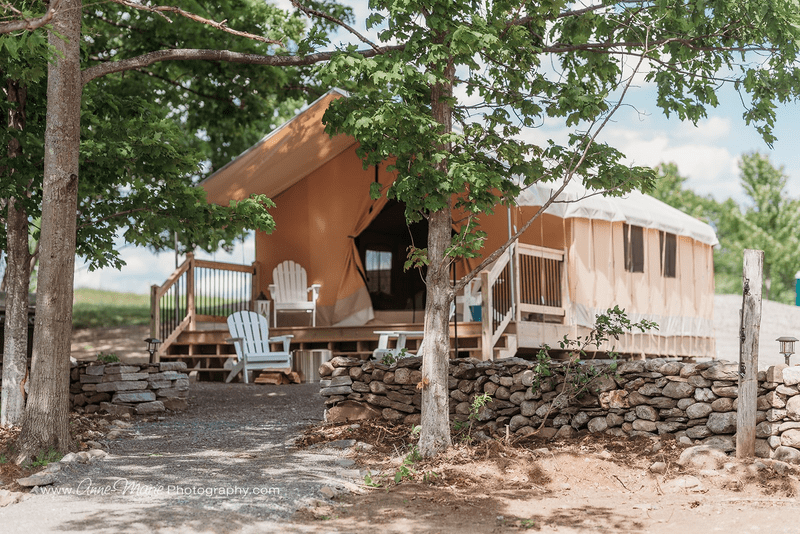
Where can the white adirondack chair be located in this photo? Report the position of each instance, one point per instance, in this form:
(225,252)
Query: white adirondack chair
(250,336)
(383,343)
(290,291)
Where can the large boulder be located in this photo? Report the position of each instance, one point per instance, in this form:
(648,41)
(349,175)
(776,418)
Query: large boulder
(791,375)
(702,457)
(698,410)
(678,390)
(787,454)
(791,438)
(722,422)
(598,424)
(648,413)
(722,371)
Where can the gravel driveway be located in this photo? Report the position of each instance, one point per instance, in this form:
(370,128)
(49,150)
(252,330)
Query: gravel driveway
(227,464)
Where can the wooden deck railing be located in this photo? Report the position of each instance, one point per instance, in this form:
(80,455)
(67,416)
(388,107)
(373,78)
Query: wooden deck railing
(539,281)
(498,301)
(200,291)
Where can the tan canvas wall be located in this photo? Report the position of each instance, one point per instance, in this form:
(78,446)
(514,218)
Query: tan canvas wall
(682,306)
(546,231)
(314,221)
(281,159)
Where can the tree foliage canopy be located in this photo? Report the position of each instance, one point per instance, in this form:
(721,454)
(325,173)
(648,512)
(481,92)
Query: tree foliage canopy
(520,65)
(144,132)
(222,108)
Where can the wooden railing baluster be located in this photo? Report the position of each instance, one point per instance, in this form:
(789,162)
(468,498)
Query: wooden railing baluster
(199,291)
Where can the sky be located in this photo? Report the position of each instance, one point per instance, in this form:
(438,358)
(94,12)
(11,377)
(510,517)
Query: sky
(706,153)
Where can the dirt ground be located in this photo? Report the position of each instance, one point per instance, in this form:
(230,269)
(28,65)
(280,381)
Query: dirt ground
(591,483)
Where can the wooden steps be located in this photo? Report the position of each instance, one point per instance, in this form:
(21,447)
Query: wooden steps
(205,351)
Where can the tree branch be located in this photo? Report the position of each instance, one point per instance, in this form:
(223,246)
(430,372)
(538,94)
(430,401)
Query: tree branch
(222,26)
(185,88)
(191,54)
(115,215)
(29,24)
(573,168)
(574,13)
(316,13)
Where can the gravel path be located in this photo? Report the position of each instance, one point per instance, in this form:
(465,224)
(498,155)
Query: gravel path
(225,465)
(776,320)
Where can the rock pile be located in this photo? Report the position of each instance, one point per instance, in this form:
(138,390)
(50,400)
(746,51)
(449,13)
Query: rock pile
(695,402)
(119,389)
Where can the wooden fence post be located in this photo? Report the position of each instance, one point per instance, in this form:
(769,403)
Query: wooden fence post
(748,354)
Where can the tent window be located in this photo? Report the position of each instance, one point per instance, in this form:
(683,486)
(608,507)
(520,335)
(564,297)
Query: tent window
(668,244)
(633,244)
(379,271)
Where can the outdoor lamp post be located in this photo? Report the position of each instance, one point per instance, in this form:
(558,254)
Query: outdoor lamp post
(787,346)
(152,346)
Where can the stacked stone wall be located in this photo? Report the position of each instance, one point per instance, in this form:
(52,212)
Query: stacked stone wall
(119,389)
(694,402)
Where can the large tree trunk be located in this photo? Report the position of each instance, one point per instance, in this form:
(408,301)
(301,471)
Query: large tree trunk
(15,347)
(16,280)
(45,423)
(435,434)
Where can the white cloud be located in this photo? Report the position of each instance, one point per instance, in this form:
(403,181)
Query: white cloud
(700,153)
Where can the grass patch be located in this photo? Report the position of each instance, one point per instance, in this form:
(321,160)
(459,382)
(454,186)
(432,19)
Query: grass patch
(107,358)
(95,308)
(49,457)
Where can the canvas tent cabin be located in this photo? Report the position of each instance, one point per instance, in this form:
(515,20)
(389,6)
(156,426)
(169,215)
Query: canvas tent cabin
(578,259)
(635,252)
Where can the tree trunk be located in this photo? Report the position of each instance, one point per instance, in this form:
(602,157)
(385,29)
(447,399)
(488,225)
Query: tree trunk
(45,422)
(435,434)
(15,347)
(16,278)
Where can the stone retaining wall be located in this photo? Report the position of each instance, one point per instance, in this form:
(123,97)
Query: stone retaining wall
(118,389)
(695,402)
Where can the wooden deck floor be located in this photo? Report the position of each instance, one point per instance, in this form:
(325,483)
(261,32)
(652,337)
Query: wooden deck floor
(206,350)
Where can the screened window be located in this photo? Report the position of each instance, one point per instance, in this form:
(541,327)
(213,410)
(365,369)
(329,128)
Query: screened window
(668,246)
(379,271)
(633,240)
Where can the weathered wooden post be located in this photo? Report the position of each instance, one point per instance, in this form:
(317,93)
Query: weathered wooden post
(748,354)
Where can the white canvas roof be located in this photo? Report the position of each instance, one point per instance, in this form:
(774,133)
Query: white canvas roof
(634,208)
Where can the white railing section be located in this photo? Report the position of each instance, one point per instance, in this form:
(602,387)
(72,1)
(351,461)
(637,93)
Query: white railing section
(199,291)
(540,277)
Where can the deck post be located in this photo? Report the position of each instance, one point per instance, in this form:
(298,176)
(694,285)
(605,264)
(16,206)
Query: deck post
(155,312)
(487,349)
(256,285)
(748,354)
(191,310)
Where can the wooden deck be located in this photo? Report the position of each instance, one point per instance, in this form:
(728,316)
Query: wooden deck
(206,350)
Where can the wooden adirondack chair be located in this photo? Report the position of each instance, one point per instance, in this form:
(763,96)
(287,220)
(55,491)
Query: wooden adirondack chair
(289,291)
(250,336)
